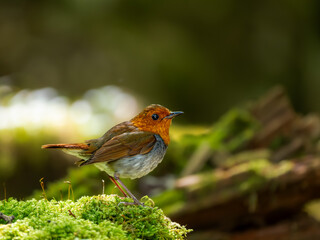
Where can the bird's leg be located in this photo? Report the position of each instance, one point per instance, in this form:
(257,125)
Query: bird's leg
(115,182)
(136,201)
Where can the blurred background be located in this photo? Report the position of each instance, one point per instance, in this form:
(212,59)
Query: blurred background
(70,70)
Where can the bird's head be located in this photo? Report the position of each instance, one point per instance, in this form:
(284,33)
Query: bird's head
(156,119)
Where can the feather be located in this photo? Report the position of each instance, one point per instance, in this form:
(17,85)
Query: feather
(67,145)
(124,145)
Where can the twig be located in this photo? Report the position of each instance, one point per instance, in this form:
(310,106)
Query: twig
(5,190)
(71,213)
(43,190)
(102,186)
(61,197)
(70,190)
(8,219)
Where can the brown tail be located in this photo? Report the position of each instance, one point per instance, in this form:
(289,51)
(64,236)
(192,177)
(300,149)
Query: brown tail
(67,146)
(80,150)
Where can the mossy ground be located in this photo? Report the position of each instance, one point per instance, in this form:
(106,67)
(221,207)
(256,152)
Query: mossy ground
(96,217)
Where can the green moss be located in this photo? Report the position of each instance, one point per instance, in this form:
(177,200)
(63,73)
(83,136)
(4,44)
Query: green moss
(260,172)
(233,130)
(313,209)
(97,217)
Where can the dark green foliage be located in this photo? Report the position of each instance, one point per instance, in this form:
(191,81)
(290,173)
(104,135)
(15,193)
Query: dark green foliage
(230,134)
(97,217)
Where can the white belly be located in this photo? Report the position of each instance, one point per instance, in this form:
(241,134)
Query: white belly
(135,166)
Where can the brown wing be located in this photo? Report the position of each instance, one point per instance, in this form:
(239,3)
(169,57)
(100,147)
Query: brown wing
(124,127)
(124,145)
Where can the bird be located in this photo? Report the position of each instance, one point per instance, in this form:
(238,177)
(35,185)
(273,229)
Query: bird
(130,149)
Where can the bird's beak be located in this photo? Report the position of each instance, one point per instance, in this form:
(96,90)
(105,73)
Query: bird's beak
(173,114)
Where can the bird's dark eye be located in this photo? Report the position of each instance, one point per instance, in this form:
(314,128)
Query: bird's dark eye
(155,116)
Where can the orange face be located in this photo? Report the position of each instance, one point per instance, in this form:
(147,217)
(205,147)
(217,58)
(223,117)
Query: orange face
(156,119)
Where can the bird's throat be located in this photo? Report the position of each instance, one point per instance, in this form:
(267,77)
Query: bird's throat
(160,129)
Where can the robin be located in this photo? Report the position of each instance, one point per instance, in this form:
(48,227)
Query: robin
(130,149)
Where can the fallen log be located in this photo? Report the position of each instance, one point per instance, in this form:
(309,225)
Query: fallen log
(252,194)
(301,227)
